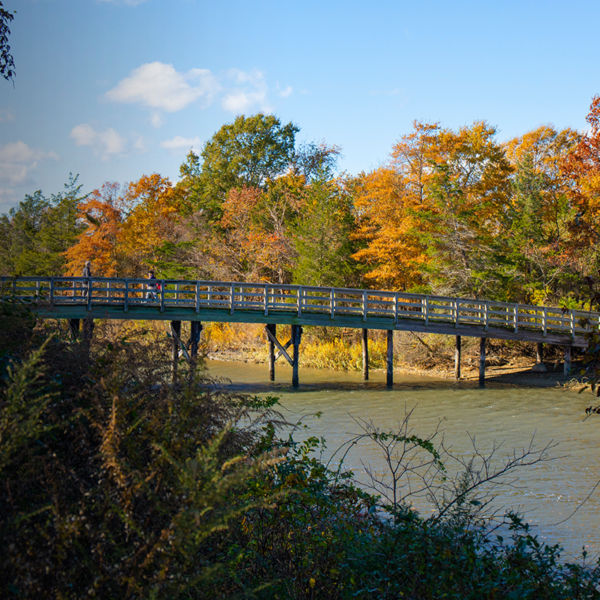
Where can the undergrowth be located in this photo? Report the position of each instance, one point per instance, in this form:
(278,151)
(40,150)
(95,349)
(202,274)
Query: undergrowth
(116,484)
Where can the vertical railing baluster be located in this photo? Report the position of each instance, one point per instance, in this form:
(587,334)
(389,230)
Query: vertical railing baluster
(396,297)
(332,302)
(426,310)
(162,295)
(232,297)
(90,289)
(51,290)
(516,317)
(487,316)
(197,296)
(545,321)
(266,299)
(126,298)
(456,315)
(572,324)
(299,301)
(364,306)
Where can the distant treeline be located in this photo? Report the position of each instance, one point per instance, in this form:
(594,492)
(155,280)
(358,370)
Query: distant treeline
(454,212)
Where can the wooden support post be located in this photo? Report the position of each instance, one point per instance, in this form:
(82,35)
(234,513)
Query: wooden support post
(74,325)
(272,328)
(539,353)
(195,330)
(176,334)
(482,344)
(296,335)
(390,358)
(457,356)
(567,367)
(365,354)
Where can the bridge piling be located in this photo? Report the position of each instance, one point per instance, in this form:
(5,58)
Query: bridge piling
(74,325)
(195,331)
(457,356)
(272,329)
(567,364)
(296,335)
(365,354)
(390,358)
(175,333)
(482,349)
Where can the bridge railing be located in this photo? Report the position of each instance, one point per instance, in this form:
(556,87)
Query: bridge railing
(127,293)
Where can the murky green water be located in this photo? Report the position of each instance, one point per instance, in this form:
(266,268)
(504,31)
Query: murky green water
(546,493)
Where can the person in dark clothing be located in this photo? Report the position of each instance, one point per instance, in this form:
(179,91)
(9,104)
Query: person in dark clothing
(87,272)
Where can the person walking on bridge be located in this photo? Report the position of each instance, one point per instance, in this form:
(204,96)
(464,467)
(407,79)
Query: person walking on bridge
(87,272)
(151,287)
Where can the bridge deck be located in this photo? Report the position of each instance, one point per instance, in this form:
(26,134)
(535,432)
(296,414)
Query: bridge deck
(112,298)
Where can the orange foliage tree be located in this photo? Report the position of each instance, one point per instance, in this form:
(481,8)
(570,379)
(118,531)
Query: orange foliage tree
(583,167)
(151,205)
(98,241)
(392,253)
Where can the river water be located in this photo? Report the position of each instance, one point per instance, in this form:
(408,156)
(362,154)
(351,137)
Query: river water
(546,493)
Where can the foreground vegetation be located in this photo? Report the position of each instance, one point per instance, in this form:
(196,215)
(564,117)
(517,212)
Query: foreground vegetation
(115,484)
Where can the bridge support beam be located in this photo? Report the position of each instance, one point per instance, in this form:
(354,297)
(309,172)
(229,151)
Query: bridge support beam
(176,335)
(272,329)
(482,349)
(390,358)
(296,335)
(365,354)
(457,356)
(567,365)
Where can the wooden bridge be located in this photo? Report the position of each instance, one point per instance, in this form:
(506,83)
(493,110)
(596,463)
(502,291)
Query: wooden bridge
(79,298)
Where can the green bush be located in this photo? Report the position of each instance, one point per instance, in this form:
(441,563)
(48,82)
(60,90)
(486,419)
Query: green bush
(116,484)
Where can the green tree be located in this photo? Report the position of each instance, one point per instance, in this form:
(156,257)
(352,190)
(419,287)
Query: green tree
(322,237)
(37,233)
(246,153)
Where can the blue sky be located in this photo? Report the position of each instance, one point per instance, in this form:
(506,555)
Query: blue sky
(114,89)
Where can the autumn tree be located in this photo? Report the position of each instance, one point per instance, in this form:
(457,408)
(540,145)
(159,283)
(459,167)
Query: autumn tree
(391,252)
(582,166)
(151,213)
(463,215)
(540,268)
(101,216)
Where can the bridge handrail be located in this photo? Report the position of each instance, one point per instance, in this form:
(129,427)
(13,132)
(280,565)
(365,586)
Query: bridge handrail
(239,296)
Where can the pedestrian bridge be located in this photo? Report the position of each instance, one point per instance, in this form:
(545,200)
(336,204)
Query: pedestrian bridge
(275,304)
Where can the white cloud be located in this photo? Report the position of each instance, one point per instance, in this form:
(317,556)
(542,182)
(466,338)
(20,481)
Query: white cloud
(251,92)
(182,143)
(160,86)
(6,115)
(286,92)
(106,143)
(17,159)
(156,120)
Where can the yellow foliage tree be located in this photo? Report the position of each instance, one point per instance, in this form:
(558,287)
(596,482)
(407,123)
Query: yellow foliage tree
(152,215)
